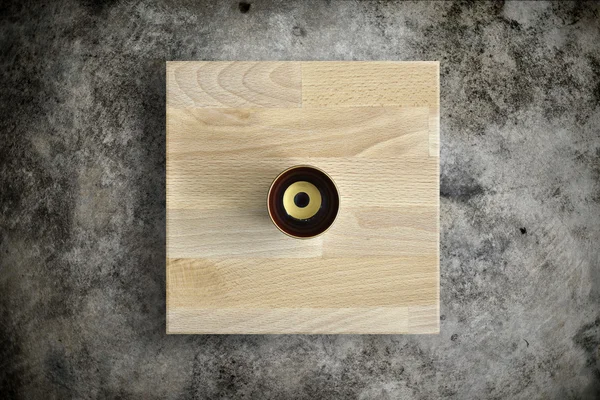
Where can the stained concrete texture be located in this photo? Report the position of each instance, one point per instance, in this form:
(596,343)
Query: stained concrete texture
(82,201)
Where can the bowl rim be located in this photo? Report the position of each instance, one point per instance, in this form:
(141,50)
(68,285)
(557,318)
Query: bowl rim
(292,168)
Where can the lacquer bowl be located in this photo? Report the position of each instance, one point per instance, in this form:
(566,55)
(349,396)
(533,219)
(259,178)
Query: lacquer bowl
(303,201)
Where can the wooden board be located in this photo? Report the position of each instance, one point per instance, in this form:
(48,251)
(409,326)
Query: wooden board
(232,127)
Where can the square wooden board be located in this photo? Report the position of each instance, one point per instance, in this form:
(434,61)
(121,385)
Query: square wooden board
(232,127)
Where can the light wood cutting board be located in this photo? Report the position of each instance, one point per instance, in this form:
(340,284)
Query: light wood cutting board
(232,127)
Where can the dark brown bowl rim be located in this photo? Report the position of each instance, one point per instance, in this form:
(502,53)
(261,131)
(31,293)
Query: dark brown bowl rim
(269,196)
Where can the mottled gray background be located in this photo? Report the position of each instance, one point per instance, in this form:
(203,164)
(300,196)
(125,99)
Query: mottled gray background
(82,201)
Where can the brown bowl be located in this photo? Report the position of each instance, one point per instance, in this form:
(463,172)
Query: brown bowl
(303,201)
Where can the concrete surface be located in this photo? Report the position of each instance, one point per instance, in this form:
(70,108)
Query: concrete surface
(82,220)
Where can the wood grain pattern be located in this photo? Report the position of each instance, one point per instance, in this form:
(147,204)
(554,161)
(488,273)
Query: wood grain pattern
(369,132)
(232,127)
(318,283)
(434,132)
(233,84)
(282,320)
(380,83)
